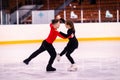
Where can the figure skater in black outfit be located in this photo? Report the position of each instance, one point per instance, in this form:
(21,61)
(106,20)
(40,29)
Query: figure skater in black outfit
(71,45)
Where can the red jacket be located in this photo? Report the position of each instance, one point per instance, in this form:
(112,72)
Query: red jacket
(53,35)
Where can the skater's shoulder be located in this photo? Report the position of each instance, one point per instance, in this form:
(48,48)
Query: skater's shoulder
(71,30)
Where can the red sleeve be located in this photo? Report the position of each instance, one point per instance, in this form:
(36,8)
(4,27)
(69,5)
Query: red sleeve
(57,33)
(60,35)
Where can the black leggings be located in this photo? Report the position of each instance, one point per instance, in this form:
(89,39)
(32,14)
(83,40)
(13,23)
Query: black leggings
(45,46)
(68,52)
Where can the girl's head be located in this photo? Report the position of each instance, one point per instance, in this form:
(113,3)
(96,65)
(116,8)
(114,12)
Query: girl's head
(56,23)
(69,24)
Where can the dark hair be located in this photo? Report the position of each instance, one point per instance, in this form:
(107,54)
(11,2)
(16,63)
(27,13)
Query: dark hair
(70,23)
(54,21)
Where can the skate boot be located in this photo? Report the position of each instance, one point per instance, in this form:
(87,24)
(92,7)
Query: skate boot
(58,57)
(26,61)
(49,68)
(73,67)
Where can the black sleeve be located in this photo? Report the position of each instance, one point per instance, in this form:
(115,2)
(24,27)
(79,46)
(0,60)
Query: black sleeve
(66,35)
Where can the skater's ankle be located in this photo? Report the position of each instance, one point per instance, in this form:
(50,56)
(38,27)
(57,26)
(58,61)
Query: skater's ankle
(58,57)
(50,68)
(73,67)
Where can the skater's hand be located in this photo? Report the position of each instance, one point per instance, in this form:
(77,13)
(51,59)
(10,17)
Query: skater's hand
(72,35)
(58,17)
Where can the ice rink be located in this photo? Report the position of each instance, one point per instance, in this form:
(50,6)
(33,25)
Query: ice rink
(96,60)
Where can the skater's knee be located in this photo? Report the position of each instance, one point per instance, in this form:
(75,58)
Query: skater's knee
(67,55)
(54,56)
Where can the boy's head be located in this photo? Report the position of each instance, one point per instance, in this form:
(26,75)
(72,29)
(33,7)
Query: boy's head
(56,23)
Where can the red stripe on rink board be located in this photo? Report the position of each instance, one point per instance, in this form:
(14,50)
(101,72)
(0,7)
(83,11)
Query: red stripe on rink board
(60,40)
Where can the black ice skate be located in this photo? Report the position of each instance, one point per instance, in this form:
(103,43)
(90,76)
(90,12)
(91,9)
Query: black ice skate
(26,61)
(50,69)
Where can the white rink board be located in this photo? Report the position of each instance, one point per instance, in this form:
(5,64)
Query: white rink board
(41,31)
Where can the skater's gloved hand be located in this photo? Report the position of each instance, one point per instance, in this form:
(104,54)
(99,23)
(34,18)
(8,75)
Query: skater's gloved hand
(58,17)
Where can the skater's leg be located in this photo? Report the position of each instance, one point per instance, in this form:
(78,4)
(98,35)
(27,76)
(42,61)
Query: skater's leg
(52,53)
(34,54)
(63,52)
(68,55)
(73,66)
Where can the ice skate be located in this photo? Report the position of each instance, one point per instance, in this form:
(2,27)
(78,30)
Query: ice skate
(26,61)
(50,69)
(73,67)
(58,57)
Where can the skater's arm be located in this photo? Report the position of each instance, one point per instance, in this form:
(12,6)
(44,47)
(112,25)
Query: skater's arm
(60,18)
(60,35)
(68,35)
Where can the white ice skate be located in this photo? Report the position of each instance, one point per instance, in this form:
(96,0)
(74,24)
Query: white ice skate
(108,14)
(58,57)
(73,67)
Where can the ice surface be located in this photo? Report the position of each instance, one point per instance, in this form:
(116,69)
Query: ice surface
(98,60)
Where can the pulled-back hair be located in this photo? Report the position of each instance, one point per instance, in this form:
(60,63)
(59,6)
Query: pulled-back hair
(54,21)
(70,23)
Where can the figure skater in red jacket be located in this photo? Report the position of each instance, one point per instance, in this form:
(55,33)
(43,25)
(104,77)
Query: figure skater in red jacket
(47,45)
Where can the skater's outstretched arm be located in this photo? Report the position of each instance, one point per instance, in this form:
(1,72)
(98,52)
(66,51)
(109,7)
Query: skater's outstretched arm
(60,35)
(68,35)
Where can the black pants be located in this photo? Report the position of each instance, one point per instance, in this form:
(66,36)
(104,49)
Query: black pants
(68,50)
(45,46)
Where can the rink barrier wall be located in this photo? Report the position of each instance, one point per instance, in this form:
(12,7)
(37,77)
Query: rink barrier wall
(21,34)
(60,40)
